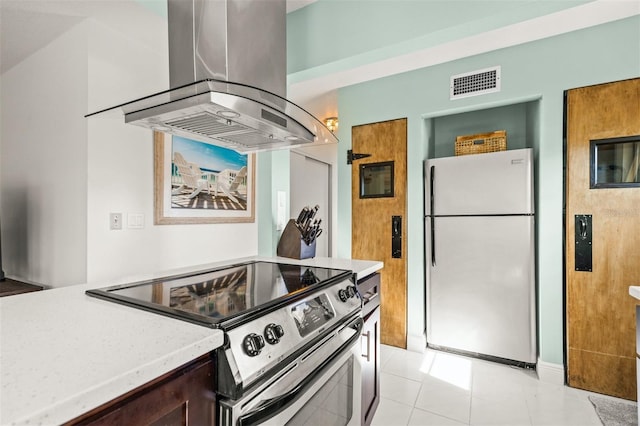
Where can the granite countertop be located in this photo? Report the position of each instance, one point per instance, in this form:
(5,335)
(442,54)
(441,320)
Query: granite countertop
(63,353)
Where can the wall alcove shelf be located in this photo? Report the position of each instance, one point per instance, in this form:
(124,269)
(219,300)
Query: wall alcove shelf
(520,119)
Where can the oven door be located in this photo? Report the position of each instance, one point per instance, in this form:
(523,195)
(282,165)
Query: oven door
(322,387)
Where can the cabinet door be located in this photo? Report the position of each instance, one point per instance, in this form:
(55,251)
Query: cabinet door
(182,397)
(370,341)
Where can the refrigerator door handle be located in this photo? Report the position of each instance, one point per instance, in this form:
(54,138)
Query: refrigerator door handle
(432,212)
(433,243)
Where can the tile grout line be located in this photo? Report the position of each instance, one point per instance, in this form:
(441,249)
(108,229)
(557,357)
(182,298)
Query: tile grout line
(415,400)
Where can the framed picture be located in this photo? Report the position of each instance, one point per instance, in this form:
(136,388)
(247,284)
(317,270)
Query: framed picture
(196,182)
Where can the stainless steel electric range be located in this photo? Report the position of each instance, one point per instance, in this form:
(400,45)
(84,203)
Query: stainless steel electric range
(291,334)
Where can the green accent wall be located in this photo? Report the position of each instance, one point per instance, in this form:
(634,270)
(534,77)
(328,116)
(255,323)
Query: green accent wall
(273,173)
(538,70)
(529,105)
(159,7)
(330,36)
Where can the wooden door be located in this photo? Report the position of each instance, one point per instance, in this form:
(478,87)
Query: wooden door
(371,222)
(599,311)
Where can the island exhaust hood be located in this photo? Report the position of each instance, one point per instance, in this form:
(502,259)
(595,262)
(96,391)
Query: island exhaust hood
(227,71)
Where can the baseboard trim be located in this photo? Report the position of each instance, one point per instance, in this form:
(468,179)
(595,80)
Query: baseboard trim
(416,342)
(547,372)
(550,373)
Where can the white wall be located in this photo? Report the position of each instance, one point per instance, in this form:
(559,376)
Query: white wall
(121,173)
(63,174)
(327,154)
(309,185)
(44,163)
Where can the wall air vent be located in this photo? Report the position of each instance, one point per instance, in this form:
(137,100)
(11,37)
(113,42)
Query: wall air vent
(475,83)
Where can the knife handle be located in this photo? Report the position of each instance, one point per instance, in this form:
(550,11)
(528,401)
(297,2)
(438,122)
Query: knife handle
(302,215)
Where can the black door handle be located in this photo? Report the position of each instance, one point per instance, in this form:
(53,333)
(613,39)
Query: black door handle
(583,228)
(396,237)
(583,242)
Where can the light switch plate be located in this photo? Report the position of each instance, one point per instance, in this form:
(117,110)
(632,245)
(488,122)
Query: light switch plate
(115,221)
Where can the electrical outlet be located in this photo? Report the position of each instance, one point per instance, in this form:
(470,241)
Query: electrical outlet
(115,221)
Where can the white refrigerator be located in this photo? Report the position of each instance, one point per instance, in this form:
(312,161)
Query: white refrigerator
(480,256)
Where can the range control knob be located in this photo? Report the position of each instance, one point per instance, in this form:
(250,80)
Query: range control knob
(351,291)
(347,293)
(273,333)
(252,344)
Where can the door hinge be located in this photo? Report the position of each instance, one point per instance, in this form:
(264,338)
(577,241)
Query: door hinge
(351,156)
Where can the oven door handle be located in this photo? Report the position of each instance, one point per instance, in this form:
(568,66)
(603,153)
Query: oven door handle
(273,406)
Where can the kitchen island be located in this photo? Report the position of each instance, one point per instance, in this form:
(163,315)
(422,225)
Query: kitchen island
(64,353)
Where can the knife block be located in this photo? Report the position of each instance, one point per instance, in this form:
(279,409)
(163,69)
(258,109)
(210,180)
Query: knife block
(292,245)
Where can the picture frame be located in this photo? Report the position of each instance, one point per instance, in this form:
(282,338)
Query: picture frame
(186,194)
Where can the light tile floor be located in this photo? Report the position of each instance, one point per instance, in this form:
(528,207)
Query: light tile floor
(437,388)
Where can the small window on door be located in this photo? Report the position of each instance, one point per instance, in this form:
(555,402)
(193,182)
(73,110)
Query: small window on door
(615,162)
(376,180)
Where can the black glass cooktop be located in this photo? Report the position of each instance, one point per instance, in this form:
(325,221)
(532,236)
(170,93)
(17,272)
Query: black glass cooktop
(213,296)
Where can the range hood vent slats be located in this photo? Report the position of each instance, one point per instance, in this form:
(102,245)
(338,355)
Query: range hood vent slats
(252,139)
(206,124)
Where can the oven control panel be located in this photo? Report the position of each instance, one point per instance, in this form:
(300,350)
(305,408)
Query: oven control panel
(263,343)
(312,314)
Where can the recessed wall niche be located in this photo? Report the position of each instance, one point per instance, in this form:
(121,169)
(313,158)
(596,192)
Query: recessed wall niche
(520,120)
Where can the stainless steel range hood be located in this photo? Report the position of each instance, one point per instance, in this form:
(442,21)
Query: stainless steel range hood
(227,70)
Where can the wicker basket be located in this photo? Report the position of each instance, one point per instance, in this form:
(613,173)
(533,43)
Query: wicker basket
(481,143)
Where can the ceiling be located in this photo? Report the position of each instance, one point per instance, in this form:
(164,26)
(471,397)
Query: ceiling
(28,25)
(34,23)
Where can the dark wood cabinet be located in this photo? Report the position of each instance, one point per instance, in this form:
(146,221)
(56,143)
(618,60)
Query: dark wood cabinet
(9,287)
(371,365)
(369,288)
(184,396)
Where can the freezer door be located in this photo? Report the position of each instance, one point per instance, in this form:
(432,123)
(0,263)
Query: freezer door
(494,183)
(481,286)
